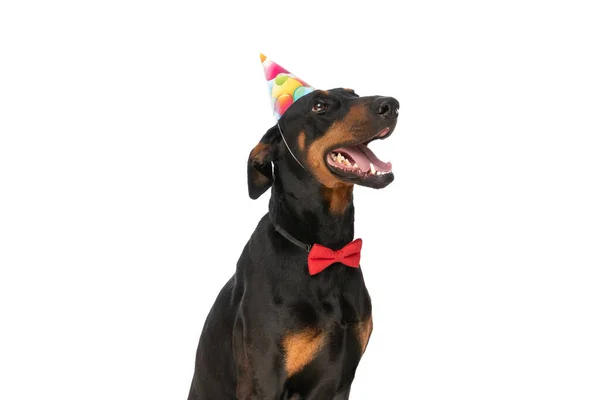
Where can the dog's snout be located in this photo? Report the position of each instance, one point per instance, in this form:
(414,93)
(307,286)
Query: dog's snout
(386,107)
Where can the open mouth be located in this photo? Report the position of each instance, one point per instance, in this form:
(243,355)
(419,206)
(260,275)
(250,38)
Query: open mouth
(358,161)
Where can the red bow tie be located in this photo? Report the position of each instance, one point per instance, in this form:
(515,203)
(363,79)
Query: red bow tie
(321,257)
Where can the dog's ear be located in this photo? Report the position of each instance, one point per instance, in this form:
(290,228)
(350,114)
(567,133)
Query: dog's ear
(260,163)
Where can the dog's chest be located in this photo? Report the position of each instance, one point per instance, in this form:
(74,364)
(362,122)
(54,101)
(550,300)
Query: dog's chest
(328,332)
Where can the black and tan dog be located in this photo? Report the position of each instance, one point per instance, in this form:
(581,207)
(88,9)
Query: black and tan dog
(275,331)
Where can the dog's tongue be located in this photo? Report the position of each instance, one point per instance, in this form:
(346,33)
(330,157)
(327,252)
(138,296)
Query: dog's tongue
(363,157)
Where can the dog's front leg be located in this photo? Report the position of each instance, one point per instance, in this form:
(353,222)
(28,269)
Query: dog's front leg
(258,359)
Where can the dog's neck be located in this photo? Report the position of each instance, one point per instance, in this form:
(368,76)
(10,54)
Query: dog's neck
(311,212)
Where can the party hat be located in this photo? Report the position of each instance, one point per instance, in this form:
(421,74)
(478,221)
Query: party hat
(284,87)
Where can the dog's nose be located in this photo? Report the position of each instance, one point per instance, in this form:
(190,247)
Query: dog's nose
(386,107)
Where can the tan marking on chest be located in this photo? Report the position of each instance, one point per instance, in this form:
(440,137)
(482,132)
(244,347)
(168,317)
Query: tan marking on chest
(363,331)
(300,348)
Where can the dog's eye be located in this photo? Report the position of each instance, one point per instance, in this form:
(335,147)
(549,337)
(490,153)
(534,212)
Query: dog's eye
(319,107)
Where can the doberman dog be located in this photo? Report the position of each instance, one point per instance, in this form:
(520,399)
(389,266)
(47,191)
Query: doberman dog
(275,331)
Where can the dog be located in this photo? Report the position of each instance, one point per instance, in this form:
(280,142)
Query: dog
(276,329)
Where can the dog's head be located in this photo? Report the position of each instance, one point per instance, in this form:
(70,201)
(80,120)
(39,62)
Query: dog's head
(327,132)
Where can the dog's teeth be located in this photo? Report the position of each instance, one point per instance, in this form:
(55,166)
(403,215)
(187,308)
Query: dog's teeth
(373,169)
(355,165)
(378,173)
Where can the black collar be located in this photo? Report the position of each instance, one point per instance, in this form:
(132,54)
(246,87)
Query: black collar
(288,236)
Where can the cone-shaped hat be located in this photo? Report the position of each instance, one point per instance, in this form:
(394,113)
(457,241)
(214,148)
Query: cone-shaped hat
(284,87)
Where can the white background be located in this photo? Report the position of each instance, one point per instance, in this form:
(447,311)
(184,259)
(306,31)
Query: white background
(125,128)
